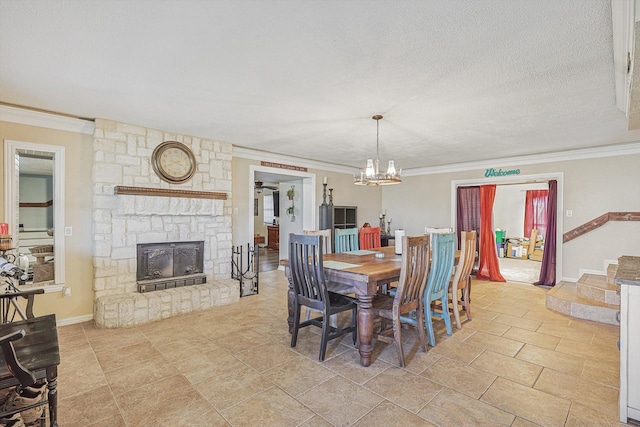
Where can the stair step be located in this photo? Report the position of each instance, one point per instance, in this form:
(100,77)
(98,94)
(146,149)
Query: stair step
(564,298)
(595,287)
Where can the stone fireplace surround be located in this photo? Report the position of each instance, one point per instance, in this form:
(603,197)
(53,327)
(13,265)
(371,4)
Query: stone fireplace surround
(121,221)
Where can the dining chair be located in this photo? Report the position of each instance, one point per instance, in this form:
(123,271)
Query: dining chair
(442,259)
(369,238)
(326,234)
(326,237)
(394,310)
(346,240)
(461,280)
(310,287)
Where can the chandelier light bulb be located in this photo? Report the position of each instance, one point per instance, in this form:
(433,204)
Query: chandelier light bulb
(370,171)
(392,169)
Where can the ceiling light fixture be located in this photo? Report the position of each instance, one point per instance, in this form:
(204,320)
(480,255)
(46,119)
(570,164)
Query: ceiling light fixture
(371,175)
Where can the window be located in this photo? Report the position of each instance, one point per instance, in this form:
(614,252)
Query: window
(267,209)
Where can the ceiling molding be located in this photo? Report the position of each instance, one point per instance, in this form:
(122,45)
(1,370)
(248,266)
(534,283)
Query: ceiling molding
(247,153)
(582,153)
(45,120)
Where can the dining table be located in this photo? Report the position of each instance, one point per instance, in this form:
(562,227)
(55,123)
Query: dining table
(360,272)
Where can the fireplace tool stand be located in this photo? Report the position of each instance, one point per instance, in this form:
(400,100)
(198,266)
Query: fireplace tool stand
(245,267)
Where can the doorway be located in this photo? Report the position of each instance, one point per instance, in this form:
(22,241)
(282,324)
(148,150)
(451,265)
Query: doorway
(275,180)
(520,180)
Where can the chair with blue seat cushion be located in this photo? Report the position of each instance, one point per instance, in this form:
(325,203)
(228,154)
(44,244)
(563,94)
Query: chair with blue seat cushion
(346,240)
(442,259)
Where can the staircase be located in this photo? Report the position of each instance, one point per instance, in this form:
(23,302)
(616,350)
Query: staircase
(594,297)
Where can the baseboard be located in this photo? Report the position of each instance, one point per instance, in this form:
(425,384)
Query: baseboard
(74,320)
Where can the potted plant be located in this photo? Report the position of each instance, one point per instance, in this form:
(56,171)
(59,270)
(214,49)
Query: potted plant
(290,193)
(290,210)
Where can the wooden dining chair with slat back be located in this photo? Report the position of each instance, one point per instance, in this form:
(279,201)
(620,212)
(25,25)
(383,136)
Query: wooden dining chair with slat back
(326,245)
(326,235)
(461,278)
(442,259)
(310,287)
(346,240)
(394,310)
(369,238)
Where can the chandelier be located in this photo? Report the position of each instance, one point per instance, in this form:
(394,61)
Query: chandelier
(371,175)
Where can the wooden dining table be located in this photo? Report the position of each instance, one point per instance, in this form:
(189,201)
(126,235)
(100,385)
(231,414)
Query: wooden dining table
(362,273)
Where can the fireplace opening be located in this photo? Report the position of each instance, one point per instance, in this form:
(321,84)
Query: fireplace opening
(170,265)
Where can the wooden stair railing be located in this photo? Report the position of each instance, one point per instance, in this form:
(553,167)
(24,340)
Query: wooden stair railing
(599,222)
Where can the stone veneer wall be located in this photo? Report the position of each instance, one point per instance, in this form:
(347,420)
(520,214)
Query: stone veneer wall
(122,156)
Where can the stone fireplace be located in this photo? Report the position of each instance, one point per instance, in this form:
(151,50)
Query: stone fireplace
(163,213)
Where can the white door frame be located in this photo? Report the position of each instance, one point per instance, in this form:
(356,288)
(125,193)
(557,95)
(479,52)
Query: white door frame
(519,179)
(308,194)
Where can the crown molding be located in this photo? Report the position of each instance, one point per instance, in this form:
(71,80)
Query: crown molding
(582,153)
(250,154)
(45,120)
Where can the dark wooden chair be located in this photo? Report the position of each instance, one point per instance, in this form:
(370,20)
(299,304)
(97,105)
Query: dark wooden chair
(10,305)
(408,296)
(30,353)
(310,287)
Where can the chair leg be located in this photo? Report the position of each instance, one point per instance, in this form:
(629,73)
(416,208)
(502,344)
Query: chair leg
(445,313)
(420,328)
(326,329)
(467,302)
(454,303)
(428,321)
(296,325)
(397,337)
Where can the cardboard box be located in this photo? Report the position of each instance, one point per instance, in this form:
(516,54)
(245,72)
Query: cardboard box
(513,251)
(536,255)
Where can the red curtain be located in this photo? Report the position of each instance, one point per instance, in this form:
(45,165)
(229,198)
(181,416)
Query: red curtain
(489,268)
(535,212)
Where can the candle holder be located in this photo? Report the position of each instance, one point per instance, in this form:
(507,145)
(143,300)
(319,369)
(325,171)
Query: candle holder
(331,197)
(324,195)
(389,226)
(382,229)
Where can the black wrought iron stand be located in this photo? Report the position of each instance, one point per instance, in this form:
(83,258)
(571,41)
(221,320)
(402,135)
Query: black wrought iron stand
(245,267)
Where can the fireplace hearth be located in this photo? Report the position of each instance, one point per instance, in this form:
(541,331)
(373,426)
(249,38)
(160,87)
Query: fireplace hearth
(169,265)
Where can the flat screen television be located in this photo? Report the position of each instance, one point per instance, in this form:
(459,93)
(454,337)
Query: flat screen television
(276,204)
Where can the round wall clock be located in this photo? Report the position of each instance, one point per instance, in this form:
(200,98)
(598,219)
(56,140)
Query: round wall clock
(174,162)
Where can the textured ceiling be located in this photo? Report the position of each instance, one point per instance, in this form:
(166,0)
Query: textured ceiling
(456,81)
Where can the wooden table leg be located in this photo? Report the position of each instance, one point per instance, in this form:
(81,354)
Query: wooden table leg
(290,299)
(52,384)
(365,328)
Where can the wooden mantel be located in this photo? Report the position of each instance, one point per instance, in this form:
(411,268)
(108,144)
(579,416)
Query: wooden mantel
(165,192)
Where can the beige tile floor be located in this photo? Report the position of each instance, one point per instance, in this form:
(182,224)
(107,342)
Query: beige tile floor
(515,364)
